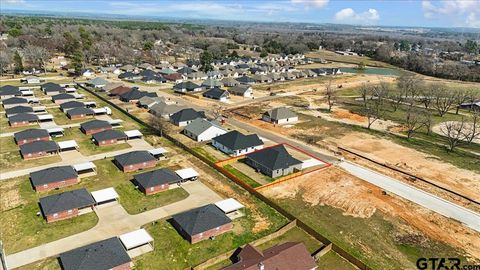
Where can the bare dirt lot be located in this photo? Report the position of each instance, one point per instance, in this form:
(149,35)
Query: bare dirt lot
(336,188)
(429,167)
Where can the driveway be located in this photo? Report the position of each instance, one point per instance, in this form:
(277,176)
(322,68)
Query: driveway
(425,199)
(114,221)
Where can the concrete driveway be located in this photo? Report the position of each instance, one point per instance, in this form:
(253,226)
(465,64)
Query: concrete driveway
(114,221)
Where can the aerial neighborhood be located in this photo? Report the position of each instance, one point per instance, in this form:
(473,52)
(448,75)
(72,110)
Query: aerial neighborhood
(134,143)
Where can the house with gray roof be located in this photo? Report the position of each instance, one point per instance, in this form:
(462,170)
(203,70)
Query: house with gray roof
(211,83)
(80,113)
(197,76)
(280,115)
(31,135)
(22,119)
(62,98)
(246,80)
(187,86)
(156,181)
(64,107)
(95,126)
(201,223)
(134,95)
(109,137)
(202,130)
(185,117)
(241,90)
(18,109)
(229,82)
(273,161)
(15,101)
(217,94)
(165,110)
(65,205)
(52,89)
(9,91)
(147,101)
(235,143)
(135,160)
(106,254)
(53,178)
(97,82)
(38,149)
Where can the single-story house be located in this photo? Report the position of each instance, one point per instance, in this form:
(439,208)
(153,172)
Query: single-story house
(185,117)
(261,78)
(31,80)
(187,86)
(52,89)
(105,254)
(197,76)
(242,90)
(153,79)
(146,66)
(54,178)
(87,72)
(111,85)
(65,205)
(31,135)
(97,82)
(211,83)
(201,223)
(135,160)
(245,80)
(64,97)
(273,161)
(156,181)
(95,126)
(229,82)
(134,95)
(165,110)
(64,107)
(217,93)
(147,101)
(127,68)
(202,130)
(280,115)
(289,255)
(80,113)
(38,149)
(23,119)
(186,70)
(18,109)
(9,91)
(109,137)
(235,143)
(174,77)
(15,101)
(129,76)
(118,91)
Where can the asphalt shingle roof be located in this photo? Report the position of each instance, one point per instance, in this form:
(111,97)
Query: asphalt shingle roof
(274,158)
(38,146)
(94,124)
(235,140)
(134,157)
(80,111)
(63,96)
(71,104)
(186,115)
(109,135)
(216,93)
(68,200)
(22,117)
(239,89)
(52,87)
(157,177)
(136,94)
(201,219)
(280,113)
(31,133)
(14,100)
(52,175)
(19,109)
(188,85)
(8,90)
(199,125)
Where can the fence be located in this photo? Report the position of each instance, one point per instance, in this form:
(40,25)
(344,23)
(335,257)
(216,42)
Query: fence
(411,175)
(3,260)
(340,251)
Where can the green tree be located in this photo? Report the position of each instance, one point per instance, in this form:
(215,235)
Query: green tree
(148,46)
(71,45)
(471,46)
(77,61)
(206,61)
(86,37)
(17,59)
(361,65)
(14,32)
(263,54)
(234,54)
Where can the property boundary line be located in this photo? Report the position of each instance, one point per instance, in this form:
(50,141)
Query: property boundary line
(340,251)
(411,175)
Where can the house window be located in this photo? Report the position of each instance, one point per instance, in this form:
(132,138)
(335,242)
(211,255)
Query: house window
(144,163)
(201,234)
(153,188)
(218,228)
(70,211)
(45,185)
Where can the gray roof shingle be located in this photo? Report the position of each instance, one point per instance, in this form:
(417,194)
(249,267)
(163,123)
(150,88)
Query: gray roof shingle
(23,117)
(18,109)
(31,133)
(235,140)
(52,175)
(201,219)
(274,158)
(134,157)
(186,115)
(68,200)
(80,111)
(109,135)
(157,177)
(38,146)
(280,113)
(95,124)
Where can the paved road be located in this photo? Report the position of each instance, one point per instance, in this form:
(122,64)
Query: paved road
(114,221)
(425,199)
(75,157)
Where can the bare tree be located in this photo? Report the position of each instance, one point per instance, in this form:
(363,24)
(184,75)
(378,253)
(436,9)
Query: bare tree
(415,119)
(6,61)
(460,98)
(409,88)
(443,99)
(473,127)
(454,131)
(159,124)
(217,111)
(330,95)
(38,56)
(374,106)
(428,92)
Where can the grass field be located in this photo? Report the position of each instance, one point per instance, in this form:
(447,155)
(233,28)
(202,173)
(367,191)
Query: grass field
(205,153)
(12,160)
(333,261)
(245,178)
(372,240)
(46,264)
(350,59)
(136,202)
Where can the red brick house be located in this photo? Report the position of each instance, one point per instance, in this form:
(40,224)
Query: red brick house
(65,205)
(109,137)
(120,90)
(135,160)
(80,113)
(95,126)
(201,223)
(156,181)
(31,135)
(54,178)
(38,149)
(23,119)
(106,254)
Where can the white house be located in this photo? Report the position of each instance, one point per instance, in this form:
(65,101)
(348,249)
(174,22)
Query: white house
(235,143)
(202,130)
(280,115)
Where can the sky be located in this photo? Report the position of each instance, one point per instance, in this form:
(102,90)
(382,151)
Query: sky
(427,13)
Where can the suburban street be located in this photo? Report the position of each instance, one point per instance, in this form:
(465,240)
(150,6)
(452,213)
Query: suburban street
(114,221)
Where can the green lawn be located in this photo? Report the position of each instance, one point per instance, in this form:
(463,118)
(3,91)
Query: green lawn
(371,239)
(135,202)
(294,235)
(206,154)
(61,118)
(7,144)
(21,228)
(5,127)
(245,178)
(12,160)
(46,264)
(333,261)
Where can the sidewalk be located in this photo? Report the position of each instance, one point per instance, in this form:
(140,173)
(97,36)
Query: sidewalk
(114,221)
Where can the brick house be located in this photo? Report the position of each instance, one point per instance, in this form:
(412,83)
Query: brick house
(62,98)
(109,137)
(156,181)
(135,160)
(80,113)
(274,161)
(201,223)
(105,254)
(31,135)
(65,205)
(38,149)
(95,126)
(64,107)
(54,178)
(23,119)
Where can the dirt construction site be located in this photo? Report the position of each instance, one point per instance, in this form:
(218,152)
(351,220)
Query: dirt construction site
(334,187)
